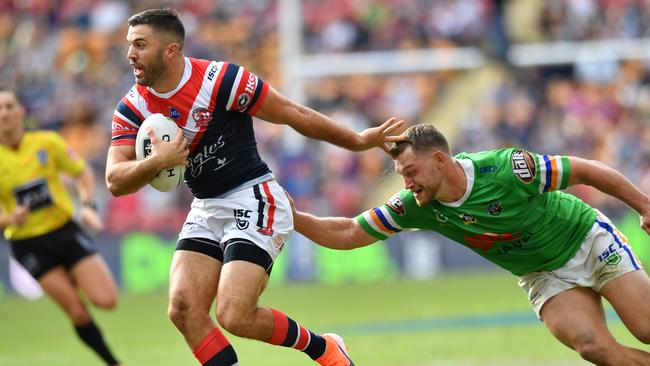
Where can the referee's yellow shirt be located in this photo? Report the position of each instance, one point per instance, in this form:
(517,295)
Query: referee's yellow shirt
(31,175)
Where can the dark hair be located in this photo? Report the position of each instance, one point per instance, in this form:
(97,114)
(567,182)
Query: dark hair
(9,88)
(163,20)
(422,137)
(4,87)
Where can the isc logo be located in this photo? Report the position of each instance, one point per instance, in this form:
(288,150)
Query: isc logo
(213,71)
(240,218)
(610,255)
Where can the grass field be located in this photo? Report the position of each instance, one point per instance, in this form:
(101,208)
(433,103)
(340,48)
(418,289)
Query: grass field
(457,319)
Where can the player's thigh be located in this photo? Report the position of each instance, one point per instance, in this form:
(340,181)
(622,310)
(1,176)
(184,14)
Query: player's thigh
(242,283)
(57,284)
(630,296)
(193,280)
(576,317)
(94,278)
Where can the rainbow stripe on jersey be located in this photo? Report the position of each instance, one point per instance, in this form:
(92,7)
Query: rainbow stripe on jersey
(379,222)
(553,172)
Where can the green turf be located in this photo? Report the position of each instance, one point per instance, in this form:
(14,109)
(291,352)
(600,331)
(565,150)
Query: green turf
(37,333)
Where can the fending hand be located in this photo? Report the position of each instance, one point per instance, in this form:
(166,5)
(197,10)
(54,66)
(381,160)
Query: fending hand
(379,136)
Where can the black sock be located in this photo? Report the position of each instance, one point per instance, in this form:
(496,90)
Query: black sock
(92,336)
(226,356)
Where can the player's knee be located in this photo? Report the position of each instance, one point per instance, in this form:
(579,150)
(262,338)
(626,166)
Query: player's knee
(592,349)
(235,320)
(179,312)
(107,302)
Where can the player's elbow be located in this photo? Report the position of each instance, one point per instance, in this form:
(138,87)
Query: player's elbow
(114,186)
(114,189)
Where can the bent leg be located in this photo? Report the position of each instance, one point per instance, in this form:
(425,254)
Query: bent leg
(193,282)
(194,278)
(94,278)
(630,295)
(243,279)
(577,319)
(58,284)
(237,311)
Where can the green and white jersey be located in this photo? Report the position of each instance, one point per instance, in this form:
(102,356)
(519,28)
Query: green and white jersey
(512,213)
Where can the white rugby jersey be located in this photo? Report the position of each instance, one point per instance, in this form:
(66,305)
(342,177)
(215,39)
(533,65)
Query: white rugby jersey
(213,105)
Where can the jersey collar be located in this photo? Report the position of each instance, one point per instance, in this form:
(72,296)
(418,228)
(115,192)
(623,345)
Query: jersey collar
(468,167)
(187,72)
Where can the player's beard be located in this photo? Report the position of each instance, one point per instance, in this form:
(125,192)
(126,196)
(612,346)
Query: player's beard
(152,71)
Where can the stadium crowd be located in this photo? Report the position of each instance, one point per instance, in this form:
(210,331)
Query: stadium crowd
(68,59)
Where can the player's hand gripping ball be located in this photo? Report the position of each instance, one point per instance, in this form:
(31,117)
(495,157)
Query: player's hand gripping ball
(165,129)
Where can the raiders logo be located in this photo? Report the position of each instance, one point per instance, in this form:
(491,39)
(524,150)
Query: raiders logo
(396,205)
(494,208)
(523,166)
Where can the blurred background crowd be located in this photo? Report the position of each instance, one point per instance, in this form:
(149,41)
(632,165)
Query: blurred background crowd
(68,60)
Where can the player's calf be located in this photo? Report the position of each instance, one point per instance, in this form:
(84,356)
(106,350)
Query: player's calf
(215,350)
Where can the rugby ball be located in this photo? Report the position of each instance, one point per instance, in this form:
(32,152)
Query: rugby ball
(165,129)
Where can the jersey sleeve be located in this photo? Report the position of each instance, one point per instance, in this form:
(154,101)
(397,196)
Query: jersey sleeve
(67,160)
(125,123)
(385,221)
(241,90)
(540,173)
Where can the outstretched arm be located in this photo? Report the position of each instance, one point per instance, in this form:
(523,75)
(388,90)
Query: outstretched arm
(330,232)
(612,182)
(281,110)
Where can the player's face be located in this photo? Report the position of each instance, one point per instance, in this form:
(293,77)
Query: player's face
(420,173)
(11,113)
(145,55)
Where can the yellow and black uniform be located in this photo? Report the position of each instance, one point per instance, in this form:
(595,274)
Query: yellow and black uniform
(31,176)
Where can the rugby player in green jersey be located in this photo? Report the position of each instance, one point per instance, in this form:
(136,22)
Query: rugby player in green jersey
(506,206)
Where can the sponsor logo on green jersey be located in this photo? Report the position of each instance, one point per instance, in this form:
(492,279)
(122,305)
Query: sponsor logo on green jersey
(500,243)
(523,166)
(396,205)
(467,218)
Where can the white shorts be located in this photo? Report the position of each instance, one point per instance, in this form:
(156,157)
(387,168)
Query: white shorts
(259,215)
(603,256)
